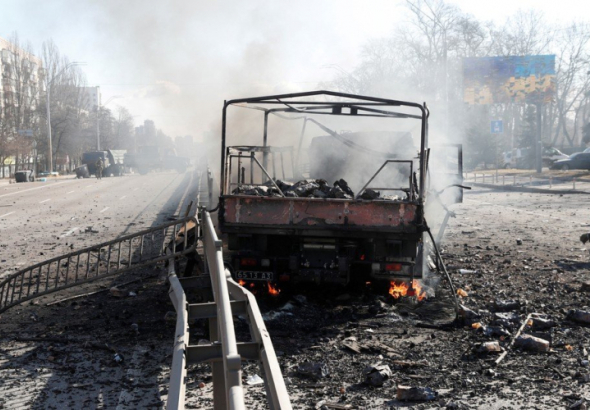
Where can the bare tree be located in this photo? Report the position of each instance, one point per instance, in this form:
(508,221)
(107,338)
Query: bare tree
(68,115)
(573,83)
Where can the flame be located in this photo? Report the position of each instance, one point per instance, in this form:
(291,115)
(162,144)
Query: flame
(241,282)
(273,290)
(400,288)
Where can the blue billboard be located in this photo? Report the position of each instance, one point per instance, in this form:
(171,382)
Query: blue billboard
(497,80)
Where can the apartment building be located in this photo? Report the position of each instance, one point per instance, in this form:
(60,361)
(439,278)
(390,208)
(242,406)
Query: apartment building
(22,85)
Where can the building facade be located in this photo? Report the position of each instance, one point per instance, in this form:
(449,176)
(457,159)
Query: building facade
(22,84)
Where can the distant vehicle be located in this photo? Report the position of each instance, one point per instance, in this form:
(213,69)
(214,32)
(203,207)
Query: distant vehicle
(113,161)
(524,157)
(25,175)
(82,171)
(579,160)
(45,174)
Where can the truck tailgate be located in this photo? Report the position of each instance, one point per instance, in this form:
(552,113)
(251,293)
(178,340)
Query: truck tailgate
(309,212)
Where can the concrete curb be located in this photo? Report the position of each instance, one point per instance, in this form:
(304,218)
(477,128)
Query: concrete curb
(517,188)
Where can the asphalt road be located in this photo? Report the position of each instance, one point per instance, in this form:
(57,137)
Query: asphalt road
(41,220)
(546,268)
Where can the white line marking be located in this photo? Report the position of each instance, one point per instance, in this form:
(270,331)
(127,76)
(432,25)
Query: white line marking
(39,187)
(123,197)
(104,209)
(67,193)
(10,213)
(71,231)
(45,200)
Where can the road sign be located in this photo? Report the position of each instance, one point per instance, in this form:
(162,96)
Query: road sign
(26,133)
(497,127)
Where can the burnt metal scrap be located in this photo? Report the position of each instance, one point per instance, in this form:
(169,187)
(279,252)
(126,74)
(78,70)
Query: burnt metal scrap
(309,188)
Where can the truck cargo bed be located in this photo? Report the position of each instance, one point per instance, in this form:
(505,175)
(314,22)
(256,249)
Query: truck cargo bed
(314,213)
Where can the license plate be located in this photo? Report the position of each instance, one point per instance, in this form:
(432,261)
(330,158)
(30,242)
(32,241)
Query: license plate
(254,275)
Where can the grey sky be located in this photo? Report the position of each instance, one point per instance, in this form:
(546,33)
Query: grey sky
(176,61)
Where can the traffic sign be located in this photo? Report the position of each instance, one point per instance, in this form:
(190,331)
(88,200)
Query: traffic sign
(497,127)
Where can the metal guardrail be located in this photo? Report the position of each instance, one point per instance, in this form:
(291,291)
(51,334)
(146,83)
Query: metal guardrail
(224,354)
(96,262)
(177,389)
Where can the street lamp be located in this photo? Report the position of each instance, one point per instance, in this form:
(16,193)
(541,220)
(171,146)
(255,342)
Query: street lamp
(48,85)
(98,119)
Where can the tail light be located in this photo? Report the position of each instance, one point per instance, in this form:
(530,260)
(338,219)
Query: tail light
(393,267)
(248,262)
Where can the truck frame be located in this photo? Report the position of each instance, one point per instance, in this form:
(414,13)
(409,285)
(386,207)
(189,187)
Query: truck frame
(281,238)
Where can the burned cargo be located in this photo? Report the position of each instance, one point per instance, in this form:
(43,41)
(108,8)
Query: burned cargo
(322,199)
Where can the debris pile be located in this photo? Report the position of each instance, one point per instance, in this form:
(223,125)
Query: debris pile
(310,188)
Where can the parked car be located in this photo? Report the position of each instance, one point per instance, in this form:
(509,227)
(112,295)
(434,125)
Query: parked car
(25,175)
(45,174)
(579,160)
(524,157)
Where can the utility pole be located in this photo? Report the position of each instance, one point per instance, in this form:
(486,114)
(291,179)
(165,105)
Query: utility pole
(538,140)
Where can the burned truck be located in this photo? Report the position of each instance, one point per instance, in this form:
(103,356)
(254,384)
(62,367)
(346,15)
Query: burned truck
(334,191)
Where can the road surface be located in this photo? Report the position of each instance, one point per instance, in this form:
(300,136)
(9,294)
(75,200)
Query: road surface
(42,220)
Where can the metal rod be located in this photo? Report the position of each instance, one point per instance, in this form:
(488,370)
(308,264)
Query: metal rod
(108,258)
(252,168)
(67,268)
(140,249)
(282,165)
(229,175)
(77,267)
(274,168)
(240,180)
(268,176)
(22,282)
(379,170)
(119,254)
(13,290)
(174,234)
(48,274)
(265,140)
(38,280)
(87,264)
(30,285)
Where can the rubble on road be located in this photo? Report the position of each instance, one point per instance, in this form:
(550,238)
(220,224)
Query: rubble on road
(532,343)
(408,393)
(377,374)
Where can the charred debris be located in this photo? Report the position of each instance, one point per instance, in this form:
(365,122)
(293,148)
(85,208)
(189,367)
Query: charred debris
(309,188)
